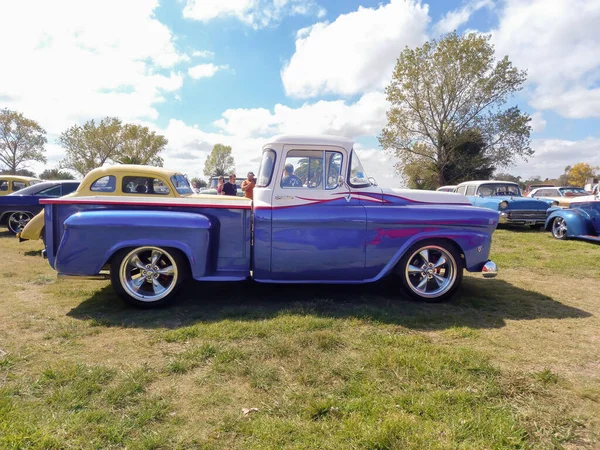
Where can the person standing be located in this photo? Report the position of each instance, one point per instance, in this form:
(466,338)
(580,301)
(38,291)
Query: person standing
(230,188)
(220,185)
(248,186)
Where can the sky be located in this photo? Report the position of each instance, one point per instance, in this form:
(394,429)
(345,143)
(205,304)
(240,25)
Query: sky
(236,72)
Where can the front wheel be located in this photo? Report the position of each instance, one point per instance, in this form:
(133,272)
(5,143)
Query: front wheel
(147,277)
(559,228)
(18,220)
(431,271)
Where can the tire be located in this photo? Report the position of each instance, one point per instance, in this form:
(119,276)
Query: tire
(148,277)
(559,228)
(424,278)
(17,221)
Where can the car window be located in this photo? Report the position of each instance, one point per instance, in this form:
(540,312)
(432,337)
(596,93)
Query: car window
(18,185)
(107,183)
(461,190)
(265,171)
(303,168)
(3,185)
(357,176)
(53,191)
(144,185)
(334,169)
(182,185)
(67,188)
(470,190)
(499,189)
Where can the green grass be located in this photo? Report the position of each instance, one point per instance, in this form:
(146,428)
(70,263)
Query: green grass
(510,363)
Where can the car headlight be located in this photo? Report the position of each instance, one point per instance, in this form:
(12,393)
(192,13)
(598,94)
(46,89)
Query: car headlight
(503,204)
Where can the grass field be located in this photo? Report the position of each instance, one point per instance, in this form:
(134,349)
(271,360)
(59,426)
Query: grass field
(509,363)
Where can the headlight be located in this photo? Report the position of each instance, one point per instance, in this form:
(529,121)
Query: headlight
(503,204)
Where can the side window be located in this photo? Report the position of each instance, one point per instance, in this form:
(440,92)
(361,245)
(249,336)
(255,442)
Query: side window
(3,185)
(67,188)
(107,183)
(18,185)
(53,191)
(144,185)
(334,169)
(470,190)
(303,168)
(461,190)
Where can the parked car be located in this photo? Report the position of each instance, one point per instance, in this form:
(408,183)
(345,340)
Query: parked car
(14,183)
(123,180)
(564,195)
(531,187)
(446,188)
(505,198)
(581,220)
(323,222)
(17,209)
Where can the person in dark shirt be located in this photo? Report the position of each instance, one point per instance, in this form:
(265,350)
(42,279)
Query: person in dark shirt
(289,179)
(230,188)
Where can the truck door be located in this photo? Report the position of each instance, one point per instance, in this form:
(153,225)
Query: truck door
(318,229)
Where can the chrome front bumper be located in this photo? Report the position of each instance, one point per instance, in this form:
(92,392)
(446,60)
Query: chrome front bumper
(489,270)
(505,219)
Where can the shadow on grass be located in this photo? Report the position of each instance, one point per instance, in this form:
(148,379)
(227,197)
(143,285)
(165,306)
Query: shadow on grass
(33,253)
(4,233)
(479,304)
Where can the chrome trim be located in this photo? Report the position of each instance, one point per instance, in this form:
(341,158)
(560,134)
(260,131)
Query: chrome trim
(489,270)
(431,271)
(99,277)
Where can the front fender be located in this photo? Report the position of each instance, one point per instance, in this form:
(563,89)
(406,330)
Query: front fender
(578,222)
(33,230)
(91,238)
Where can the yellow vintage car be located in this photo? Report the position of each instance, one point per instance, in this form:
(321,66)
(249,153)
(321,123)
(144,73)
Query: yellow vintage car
(125,180)
(14,183)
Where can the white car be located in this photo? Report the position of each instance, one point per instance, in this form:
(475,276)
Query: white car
(446,188)
(564,195)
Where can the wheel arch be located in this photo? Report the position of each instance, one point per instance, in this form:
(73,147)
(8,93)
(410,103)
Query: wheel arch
(176,247)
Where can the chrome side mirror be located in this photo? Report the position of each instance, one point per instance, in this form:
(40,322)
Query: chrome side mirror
(372,181)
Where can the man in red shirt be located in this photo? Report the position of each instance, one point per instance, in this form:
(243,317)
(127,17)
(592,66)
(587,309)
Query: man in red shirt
(248,186)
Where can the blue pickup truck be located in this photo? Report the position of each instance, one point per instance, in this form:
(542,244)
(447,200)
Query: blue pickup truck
(315,218)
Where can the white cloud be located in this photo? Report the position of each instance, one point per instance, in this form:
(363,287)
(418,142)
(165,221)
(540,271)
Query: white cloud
(538,123)
(557,42)
(356,53)
(204,70)
(82,60)
(366,117)
(202,54)
(256,13)
(553,155)
(454,19)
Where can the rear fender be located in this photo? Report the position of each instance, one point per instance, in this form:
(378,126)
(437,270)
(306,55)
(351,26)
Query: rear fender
(91,238)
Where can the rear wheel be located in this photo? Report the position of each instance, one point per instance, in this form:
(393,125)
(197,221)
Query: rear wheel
(559,228)
(147,277)
(431,271)
(18,220)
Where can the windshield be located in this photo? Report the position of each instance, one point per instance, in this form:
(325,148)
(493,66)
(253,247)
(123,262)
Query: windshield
(499,189)
(572,191)
(265,171)
(357,176)
(182,185)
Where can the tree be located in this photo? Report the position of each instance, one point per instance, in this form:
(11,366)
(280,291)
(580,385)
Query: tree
(56,174)
(21,172)
(219,162)
(90,146)
(580,172)
(141,146)
(443,89)
(21,140)
(200,183)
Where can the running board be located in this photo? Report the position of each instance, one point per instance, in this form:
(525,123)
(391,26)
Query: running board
(99,277)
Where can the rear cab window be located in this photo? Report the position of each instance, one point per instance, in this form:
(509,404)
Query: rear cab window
(107,183)
(145,185)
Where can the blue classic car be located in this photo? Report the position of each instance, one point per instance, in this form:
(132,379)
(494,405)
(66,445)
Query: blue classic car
(505,197)
(581,220)
(315,218)
(17,209)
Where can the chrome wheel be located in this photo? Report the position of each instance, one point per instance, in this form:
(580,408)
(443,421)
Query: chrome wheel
(17,221)
(559,228)
(148,274)
(431,271)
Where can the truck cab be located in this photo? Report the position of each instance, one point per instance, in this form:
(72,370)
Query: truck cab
(316,218)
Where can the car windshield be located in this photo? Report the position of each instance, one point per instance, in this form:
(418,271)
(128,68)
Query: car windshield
(572,191)
(31,190)
(182,185)
(499,189)
(265,171)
